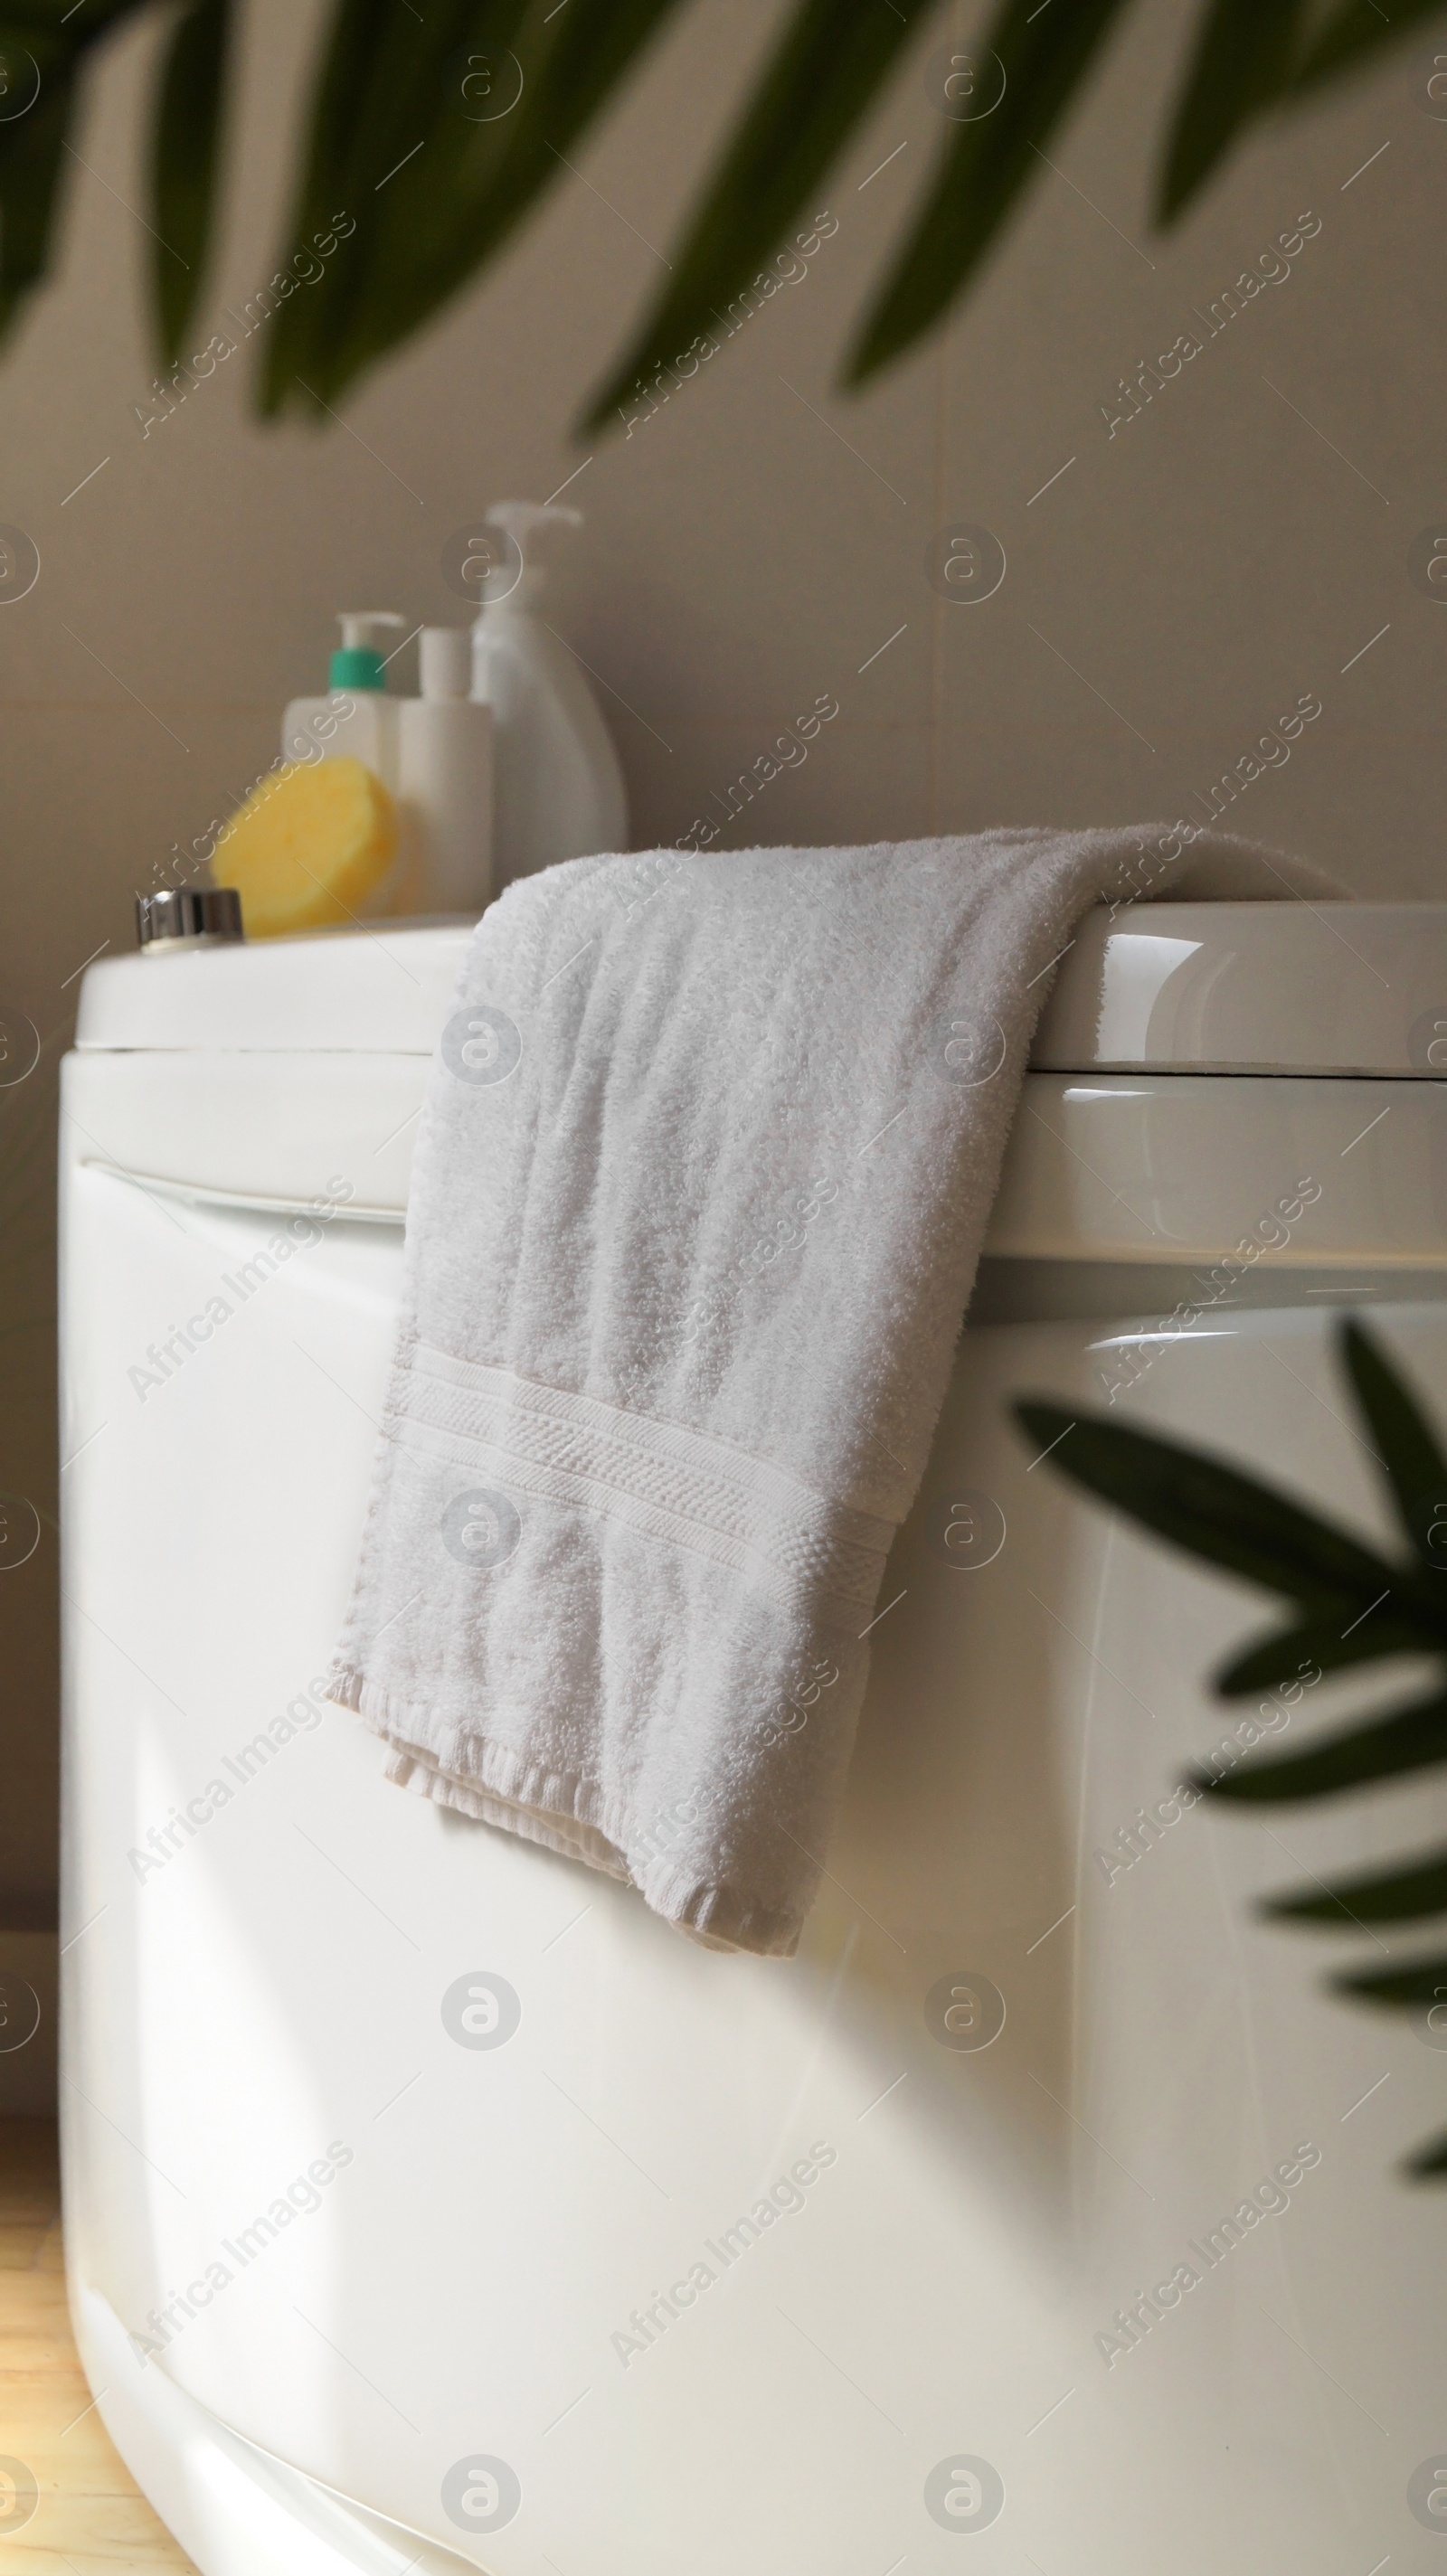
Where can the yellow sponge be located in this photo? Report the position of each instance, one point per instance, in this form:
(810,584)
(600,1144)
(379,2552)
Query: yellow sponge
(307,847)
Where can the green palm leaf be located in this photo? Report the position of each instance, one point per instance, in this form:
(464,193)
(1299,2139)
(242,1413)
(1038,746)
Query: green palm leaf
(1241,64)
(1359,28)
(1324,1644)
(1248,1528)
(1390,1896)
(1411,1457)
(32,160)
(465,181)
(424,194)
(983,170)
(824,76)
(41,38)
(360,85)
(184,154)
(1407,1739)
(1423,1981)
(1209,1510)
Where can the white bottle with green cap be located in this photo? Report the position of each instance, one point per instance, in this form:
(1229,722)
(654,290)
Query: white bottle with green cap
(356,717)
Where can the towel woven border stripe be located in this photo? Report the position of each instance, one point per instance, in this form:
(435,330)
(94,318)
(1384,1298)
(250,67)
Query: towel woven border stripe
(674,1484)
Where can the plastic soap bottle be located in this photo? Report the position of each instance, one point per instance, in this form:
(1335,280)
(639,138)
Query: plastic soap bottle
(557,788)
(445,778)
(356,716)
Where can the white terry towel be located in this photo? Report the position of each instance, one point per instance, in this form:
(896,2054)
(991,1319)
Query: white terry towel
(704,1169)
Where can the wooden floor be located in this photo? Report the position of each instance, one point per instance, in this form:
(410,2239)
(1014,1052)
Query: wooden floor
(90,2517)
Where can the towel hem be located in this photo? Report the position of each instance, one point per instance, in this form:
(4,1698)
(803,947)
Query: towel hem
(537,1805)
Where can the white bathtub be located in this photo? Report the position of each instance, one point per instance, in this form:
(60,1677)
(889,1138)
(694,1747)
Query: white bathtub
(713,2263)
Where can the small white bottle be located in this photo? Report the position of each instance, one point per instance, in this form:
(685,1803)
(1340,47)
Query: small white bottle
(356,717)
(558,791)
(445,778)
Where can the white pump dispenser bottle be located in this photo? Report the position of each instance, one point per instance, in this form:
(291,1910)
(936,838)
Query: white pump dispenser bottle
(445,778)
(558,789)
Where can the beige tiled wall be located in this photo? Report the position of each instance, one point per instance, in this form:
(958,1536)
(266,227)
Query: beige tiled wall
(758,540)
